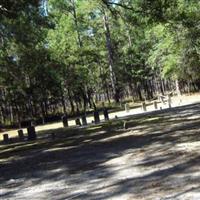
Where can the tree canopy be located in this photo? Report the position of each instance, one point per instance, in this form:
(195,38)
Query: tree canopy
(61,56)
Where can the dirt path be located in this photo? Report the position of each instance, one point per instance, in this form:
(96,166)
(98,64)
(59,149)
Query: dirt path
(157,159)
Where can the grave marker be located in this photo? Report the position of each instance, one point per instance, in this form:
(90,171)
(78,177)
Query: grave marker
(65,121)
(125,125)
(6,138)
(127,108)
(144,108)
(20,134)
(105,113)
(78,122)
(155,105)
(96,117)
(84,120)
(31,133)
(169,100)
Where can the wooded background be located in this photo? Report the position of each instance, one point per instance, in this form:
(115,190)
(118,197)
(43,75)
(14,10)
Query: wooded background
(66,56)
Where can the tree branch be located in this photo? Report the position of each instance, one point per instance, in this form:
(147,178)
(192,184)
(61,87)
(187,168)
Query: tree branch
(109,3)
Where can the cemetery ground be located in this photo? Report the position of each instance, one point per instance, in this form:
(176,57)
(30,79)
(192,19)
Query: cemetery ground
(135,108)
(157,157)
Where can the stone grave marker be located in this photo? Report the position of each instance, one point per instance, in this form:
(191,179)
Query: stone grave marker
(127,108)
(169,100)
(144,108)
(155,104)
(125,125)
(20,134)
(6,138)
(96,117)
(84,120)
(65,121)
(105,113)
(31,133)
(78,122)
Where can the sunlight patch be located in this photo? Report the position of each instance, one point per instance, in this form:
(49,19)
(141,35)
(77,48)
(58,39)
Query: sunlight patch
(188,146)
(194,117)
(58,149)
(94,128)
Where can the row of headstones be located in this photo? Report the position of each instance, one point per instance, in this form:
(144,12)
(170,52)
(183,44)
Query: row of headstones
(32,133)
(155,104)
(84,119)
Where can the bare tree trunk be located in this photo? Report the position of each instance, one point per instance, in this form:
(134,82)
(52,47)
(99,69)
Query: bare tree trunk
(77,107)
(177,87)
(139,92)
(71,102)
(43,112)
(110,57)
(63,104)
(76,22)
(161,87)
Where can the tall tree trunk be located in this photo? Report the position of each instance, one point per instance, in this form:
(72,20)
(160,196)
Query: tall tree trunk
(110,57)
(77,107)
(107,95)
(147,86)
(63,104)
(177,87)
(43,112)
(162,89)
(139,92)
(89,94)
(18,113)
(71,102)
(11,114)
(76,22)
(30,107)
(94,105)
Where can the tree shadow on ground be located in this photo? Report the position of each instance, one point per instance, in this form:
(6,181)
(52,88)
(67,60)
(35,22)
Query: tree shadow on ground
(150,158)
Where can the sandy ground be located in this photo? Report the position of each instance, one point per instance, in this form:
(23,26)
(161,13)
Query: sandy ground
(156,159)
(176,102)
